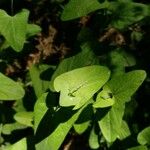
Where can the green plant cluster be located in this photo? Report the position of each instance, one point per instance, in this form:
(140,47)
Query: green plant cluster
(89,92)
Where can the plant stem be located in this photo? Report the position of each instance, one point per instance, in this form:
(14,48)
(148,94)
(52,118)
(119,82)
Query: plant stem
(12,7)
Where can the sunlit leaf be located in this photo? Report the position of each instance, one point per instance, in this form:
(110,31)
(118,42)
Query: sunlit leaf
(13,28)
(59,124)
(78,86)
(124,131)
(9,89)
(141,147)
(144,136)
(20,145)
(104,99)
(124,86)
(111,122)
(94,139)
(24,118)
(85,58)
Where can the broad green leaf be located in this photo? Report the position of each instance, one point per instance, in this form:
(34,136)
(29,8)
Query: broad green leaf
(77,8)
(127,13)
(124,131)
(141,147)
(82,59)
(13,28)
(8,128)
(32,30)
(144,136)
(94,139)
(20,145)
(104,99)
(112,121)
(24,118)
(124,86)
(78,86)
(9,89)
(59,123)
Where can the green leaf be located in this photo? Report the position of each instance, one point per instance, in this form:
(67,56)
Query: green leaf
(104,99)
(13,28)
(82,59)
(40,85)
(81,128)
(127,13)
(77,8)
(124,86)
(32,30)
(9,89)
(59,123)
(24,118)
(84,119)
(124,131)
(8,128)
(78,86)
(144,136)
(138,148)
(94,139)
(40,109)
(119,59)
(22,145)
(112,121)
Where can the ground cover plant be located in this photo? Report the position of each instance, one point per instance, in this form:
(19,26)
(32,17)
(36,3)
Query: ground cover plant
(74,74)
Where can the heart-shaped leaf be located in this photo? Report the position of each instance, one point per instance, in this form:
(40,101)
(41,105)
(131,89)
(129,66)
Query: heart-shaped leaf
(13,28)
(78,86)
(77,8)
(124,86)
(85,58)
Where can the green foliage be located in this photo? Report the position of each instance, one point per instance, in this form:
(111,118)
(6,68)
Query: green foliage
(9,89)
(79,85)
(90,93)
(24,118)
(144,136)
(75,8)
(22,144)
(16,28)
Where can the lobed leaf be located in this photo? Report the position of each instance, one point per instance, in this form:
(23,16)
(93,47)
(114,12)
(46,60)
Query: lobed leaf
(13,28)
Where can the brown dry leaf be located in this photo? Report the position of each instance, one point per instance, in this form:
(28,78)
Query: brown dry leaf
(113,35)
